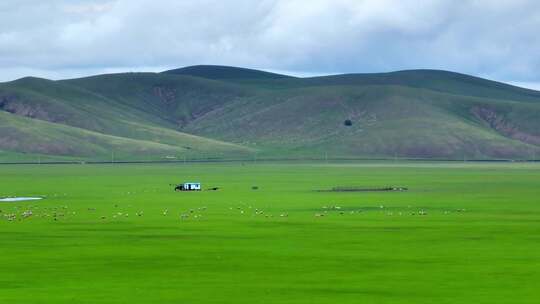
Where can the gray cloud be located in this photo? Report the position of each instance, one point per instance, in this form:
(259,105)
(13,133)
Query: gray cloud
(66,38)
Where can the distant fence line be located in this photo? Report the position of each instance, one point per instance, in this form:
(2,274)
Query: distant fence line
(251,160)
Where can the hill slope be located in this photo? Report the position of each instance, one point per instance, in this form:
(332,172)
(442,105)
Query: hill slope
(70,111)
(386,121)
(225,73)
(224,112)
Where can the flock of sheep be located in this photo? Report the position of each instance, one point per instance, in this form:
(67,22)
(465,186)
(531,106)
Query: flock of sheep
(19,213)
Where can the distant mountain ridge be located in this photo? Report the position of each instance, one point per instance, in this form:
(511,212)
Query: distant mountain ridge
(224,72)
(228,112)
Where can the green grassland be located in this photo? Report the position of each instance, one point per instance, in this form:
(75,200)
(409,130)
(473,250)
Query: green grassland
(477,243)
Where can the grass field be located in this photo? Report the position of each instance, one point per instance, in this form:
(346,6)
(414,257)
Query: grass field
(478,243)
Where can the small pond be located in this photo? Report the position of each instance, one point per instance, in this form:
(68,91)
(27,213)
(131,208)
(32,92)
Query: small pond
(19,199)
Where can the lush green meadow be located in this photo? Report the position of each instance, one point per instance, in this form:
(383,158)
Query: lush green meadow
(118,235)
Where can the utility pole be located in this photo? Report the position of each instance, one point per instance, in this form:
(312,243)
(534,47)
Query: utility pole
(112,157)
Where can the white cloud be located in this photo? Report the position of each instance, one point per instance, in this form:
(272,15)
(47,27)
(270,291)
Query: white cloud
(68,38)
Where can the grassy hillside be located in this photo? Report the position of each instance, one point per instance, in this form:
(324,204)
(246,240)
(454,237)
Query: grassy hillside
(136,131)
(386,121)
(436,80)
(235,112)
(173,99)
(225,73)
(41,137)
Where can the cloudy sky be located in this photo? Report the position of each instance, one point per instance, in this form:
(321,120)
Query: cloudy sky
(69,38)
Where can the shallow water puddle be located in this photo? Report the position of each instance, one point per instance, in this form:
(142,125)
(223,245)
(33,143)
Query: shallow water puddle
(19,199)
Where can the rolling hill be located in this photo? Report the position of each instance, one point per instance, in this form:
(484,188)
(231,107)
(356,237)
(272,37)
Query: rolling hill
(227,112)
(220,72)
